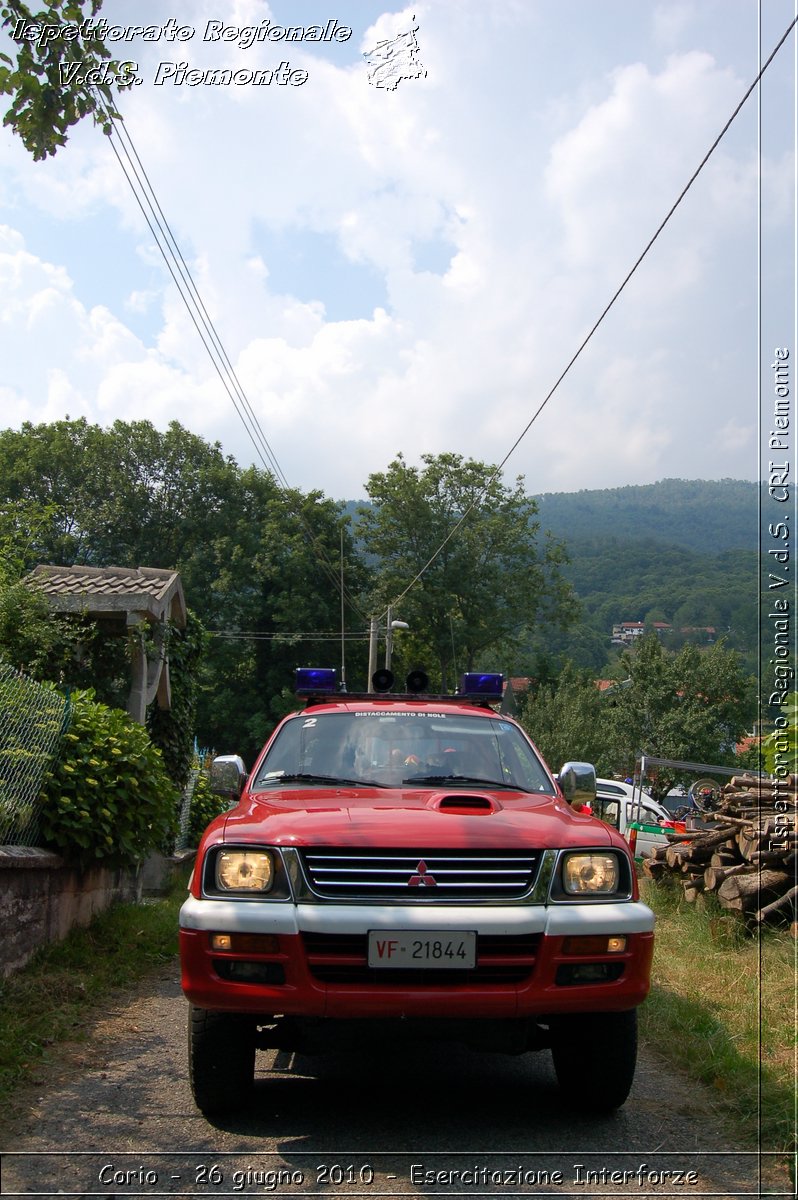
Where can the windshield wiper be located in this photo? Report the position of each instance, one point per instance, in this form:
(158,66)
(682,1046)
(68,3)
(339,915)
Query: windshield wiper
(487,783)
(307,777)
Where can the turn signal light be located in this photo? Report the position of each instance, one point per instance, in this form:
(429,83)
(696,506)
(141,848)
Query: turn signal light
(594,943)
(245,943)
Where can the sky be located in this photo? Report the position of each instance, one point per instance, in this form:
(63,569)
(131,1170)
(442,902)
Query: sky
(411,268)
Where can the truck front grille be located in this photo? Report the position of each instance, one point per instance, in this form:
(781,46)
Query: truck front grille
(405,876)
(343,958)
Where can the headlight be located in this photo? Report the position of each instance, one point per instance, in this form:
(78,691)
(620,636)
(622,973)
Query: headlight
(595,874)
(244,871)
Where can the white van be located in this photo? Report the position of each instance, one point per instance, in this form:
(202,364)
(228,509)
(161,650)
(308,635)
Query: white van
(634,813)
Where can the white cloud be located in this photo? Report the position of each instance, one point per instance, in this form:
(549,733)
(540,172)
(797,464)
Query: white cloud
(615,176)
(534,221)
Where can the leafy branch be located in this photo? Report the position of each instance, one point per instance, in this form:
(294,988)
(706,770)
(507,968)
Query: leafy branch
(47,97)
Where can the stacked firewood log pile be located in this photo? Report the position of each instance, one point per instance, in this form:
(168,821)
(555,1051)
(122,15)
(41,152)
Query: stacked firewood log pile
(745,853)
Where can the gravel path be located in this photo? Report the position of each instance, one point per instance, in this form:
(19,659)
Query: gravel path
(114,1117)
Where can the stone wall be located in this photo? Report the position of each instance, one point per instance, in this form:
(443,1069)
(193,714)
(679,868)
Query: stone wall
(41,899)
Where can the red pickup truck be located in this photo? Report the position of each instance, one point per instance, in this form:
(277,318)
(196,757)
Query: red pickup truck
(408,861)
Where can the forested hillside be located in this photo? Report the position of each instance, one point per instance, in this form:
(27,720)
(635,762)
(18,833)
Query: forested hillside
(683,552)
(678,551)
(707,516)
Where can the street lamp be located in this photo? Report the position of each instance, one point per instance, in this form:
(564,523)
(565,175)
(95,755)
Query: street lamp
(390,626)
(389,638)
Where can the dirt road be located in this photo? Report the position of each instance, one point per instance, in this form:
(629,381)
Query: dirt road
(115,1117)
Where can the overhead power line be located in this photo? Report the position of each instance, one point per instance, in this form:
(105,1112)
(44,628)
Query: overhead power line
(136,175)
(497,471)
(255,636)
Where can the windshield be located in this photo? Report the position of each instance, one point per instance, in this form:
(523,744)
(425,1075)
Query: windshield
(393,748)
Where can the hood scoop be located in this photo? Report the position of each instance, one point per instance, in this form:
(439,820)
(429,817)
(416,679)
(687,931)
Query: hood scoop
(466,802)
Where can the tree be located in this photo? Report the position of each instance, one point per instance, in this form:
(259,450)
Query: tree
(564,720)
(258,563)
(272,576)
(489,583)
(120,496)
(46,77)
(691,706)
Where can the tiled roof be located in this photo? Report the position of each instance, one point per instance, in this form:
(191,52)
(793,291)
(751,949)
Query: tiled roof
(520,683)
(116,589)
(103,581)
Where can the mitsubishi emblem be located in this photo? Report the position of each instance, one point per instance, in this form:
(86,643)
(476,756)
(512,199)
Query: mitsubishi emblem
(422,877)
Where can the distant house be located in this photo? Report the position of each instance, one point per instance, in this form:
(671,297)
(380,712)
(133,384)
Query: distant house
(520,684)
(515,688)
(626,632)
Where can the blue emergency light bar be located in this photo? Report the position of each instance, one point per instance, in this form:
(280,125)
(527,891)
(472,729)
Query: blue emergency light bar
(314,681)
(479,686)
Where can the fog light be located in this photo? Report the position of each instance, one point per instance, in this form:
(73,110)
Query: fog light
(221,941)
(576,973)
(238,971)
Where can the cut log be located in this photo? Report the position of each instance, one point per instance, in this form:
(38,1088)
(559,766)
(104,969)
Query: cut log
(770,858)
(744,893)
(743,850)
(759,787)
(714,876)
(676,855)
(725,857)
(750,840)
(700,849)
(740,783)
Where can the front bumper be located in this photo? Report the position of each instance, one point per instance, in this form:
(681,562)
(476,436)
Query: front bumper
(306,990)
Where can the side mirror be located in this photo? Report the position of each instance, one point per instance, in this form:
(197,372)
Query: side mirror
(578,783)
(228,776)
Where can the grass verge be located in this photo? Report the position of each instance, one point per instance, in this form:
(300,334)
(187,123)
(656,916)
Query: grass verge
(722,1006)
(54,998)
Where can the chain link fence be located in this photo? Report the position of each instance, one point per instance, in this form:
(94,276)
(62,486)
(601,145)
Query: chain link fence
(32,720)
(201,763)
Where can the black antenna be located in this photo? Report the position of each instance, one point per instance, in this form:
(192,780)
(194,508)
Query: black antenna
(343,636)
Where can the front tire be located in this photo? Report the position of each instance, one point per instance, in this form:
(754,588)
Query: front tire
(221,1059)
(595,1055)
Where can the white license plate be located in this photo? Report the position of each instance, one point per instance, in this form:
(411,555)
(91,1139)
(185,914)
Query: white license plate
(441,949)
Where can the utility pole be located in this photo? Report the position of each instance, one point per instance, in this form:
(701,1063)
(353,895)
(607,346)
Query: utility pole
(372,652)
(388,638)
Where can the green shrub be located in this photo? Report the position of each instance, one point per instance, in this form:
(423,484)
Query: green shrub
(108,798)
(204,807)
